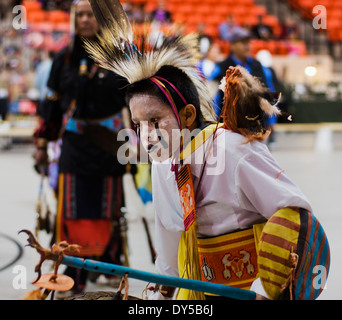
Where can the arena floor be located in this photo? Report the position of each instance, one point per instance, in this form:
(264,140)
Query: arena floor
(313,162)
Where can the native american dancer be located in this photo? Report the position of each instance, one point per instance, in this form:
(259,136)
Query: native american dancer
(83,111)
(226,212)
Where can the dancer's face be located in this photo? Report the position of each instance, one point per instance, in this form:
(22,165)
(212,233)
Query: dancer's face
(156,123)
(86,24)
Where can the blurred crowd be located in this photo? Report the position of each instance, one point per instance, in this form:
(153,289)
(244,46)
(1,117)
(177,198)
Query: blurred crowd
(19,60)
(17,71)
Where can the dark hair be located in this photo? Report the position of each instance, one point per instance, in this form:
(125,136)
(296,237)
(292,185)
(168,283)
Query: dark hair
(179,79)
(250,115)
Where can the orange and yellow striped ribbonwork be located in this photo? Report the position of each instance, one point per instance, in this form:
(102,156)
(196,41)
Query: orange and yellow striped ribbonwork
(293,231)
(279,238)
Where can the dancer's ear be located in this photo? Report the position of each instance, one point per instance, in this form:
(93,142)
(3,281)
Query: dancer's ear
(187,116)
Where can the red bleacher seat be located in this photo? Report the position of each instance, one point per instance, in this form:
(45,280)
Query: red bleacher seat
(62,27)
(259,10)
(36,16)
(212,31)
(43,27)
(58,16)
(334,12)
(193,12)
(32,5)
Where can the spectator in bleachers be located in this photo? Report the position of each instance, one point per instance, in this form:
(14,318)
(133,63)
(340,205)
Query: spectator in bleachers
(16,2)
(3,103)
(137,14)
(240,54)
(204,40)
(43,3)
(56,5)
(227,28)
(5,9)
(65,5)
(16,80)
(247,26)
(208,63)
(3,93)
(261,30)
(42,77)
(161,14)
(289,30)
(273,83)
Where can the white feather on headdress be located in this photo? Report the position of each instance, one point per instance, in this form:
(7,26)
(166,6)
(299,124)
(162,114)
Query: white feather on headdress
(115,51)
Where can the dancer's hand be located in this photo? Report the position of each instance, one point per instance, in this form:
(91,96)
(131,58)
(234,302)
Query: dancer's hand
(41,158)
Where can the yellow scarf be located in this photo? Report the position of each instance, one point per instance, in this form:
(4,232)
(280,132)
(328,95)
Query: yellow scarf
(188,258)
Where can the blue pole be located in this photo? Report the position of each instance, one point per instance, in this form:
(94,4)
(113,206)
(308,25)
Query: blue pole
(202,286)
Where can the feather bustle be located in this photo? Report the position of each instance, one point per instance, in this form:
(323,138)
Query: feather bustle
(249,84)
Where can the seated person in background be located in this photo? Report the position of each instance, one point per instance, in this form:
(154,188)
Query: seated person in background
(161,14)
(227,28)
(261,30)
(240,54)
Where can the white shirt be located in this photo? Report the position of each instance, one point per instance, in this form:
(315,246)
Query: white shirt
(241,185)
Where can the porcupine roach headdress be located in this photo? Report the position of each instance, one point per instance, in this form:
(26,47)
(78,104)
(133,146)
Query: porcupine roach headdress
(247,103)
(115,51)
